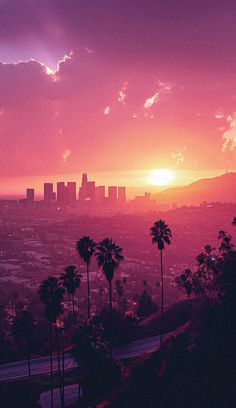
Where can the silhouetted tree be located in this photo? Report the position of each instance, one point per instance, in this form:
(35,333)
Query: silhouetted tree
(226,245)
(23,327)
(81,350)
(161,234)
(51,295)
(208,279)
(91,351)
(145,305)
(185,280)
(71,280)
(109,255)
(122,301)
(86,249)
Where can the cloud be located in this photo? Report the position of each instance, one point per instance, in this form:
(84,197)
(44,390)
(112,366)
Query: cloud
(219,114)
(178,157)
(79,95)
(107,110)
(150,101)
(229,137)
(66,154)
(122,94)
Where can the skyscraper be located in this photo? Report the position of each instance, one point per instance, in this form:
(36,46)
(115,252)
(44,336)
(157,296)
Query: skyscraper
(71,192)
(91,191)
(61,192)
(30,195)
(48,192)
(122,194)
(112,193)
(99,193)
(84,187)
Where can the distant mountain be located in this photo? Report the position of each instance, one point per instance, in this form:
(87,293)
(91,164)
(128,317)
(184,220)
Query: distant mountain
(222,188)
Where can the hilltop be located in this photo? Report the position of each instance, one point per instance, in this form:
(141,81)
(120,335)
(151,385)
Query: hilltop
(217,189)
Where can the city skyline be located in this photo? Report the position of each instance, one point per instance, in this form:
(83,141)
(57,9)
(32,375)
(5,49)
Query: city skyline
(70,192)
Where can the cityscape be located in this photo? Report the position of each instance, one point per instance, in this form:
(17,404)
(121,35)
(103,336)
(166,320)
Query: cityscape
(85,199)
(89,193)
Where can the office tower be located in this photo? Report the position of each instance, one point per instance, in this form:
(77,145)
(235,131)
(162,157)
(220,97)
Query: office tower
(112,193)
(84,180)
(61,192)
(99,193)
(49,195)
(122,194)
(84,187)
(30,195)
(91,191)
(71,192)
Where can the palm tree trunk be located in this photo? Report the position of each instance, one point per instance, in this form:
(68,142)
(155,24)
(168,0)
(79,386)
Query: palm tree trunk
(88,286)
(79,380)
(51,371)
(110,312)
(162,294)
(73,307)
(28,361)
(63,361)
(59,367)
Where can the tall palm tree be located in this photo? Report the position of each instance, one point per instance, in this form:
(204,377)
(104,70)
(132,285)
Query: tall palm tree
(86,249)
(71,280)
(51,295)
(161,235)
(109,255)
(23,327)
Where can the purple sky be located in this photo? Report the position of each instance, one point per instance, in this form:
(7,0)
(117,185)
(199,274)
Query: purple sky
(148,84)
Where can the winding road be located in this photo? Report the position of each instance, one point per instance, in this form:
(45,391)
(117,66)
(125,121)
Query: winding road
(19,369)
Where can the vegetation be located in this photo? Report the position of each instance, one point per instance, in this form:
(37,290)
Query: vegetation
(196,365)
(51,295)
(198,356)
(23,327)
(71,280)
(86,249)
(109,255)
(161,235)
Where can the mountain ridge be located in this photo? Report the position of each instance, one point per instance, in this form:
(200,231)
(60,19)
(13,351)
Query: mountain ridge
(221,188)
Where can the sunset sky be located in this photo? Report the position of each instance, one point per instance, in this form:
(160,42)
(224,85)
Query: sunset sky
(116,88)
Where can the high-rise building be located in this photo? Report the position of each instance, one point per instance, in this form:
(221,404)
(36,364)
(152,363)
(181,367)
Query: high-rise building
(91,191)
(84,187)
(99,193)
(30,195)
(49,195)
(71,192)
(122,194)
(61,192)
(112,193)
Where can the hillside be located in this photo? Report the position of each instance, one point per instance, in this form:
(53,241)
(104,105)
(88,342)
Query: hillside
(222,188)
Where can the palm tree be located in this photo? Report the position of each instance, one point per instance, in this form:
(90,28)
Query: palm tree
(71,280)
(80,351)
(51,295)
(161,234)
(23,327)
(109,255)
(90,350)
(86,249)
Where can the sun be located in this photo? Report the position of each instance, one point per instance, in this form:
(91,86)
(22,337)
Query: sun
(161,177)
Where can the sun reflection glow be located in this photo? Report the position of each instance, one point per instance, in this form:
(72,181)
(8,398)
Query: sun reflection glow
(161,177)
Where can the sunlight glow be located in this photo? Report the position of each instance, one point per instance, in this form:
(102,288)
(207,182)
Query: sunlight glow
(161,177)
